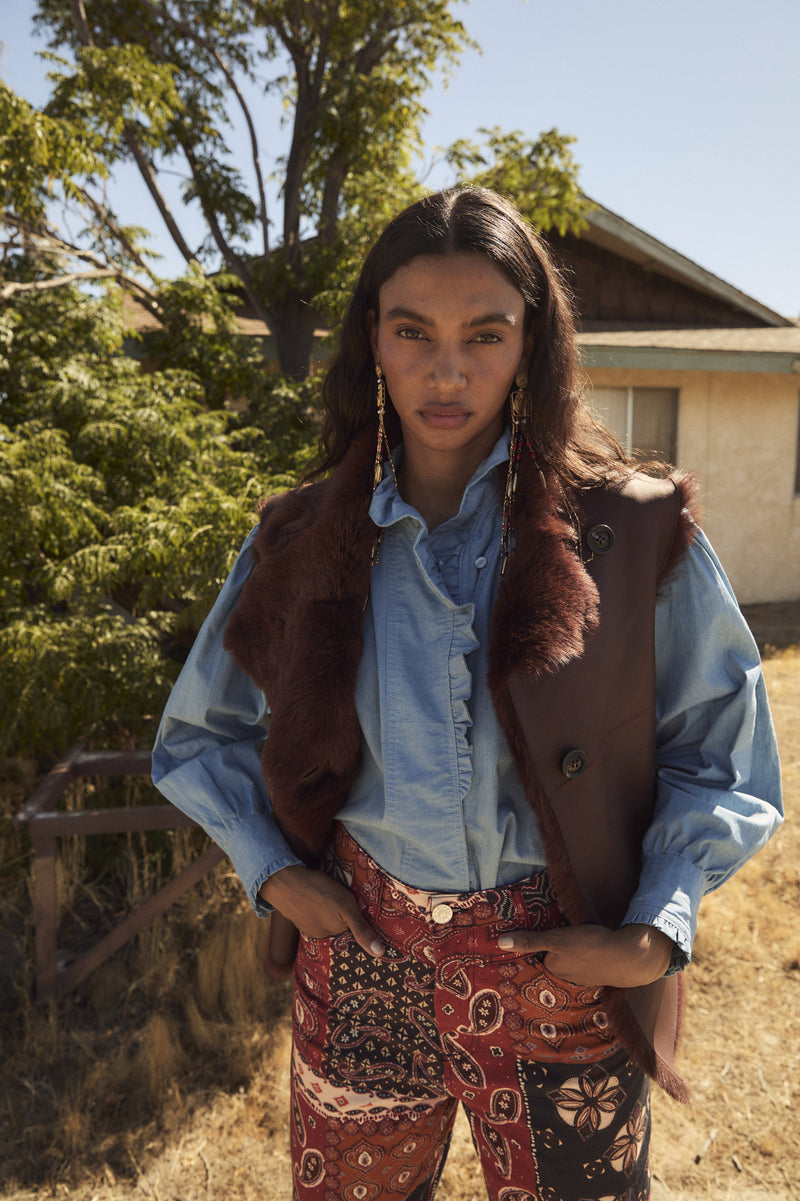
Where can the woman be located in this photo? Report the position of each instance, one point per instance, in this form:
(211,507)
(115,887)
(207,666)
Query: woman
(517,729)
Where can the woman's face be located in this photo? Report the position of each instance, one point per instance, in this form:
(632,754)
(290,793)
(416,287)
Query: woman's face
(450,339)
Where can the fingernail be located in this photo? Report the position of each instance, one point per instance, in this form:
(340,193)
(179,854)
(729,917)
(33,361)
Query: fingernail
(505,942)
(377,947)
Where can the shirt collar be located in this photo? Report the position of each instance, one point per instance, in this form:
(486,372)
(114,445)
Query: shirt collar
(388,507)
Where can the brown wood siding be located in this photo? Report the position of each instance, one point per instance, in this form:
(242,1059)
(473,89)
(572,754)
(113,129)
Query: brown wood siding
(609,288)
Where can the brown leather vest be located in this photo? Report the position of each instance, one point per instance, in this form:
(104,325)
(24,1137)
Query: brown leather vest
(571,672)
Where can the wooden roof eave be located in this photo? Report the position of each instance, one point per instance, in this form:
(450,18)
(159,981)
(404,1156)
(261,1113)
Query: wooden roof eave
(611,232)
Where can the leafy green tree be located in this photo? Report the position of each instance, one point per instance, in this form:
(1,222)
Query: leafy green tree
(540,175)
(124,492)
(161,84)
(123,498)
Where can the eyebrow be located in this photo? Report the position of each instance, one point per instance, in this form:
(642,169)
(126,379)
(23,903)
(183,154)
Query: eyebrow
(497,318)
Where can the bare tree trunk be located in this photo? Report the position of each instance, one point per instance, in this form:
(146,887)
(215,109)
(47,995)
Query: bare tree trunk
(293,324)
(80,23)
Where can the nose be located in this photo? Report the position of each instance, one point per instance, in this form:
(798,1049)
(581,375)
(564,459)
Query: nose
(446,375)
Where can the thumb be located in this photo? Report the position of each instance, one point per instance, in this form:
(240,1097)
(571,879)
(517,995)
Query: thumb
(364,934)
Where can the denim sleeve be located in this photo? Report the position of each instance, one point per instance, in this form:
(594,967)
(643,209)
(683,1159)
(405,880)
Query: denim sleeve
(718,795)
(206,758)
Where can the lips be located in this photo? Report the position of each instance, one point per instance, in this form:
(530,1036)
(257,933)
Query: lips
(449,418)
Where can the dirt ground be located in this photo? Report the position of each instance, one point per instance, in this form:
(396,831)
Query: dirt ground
(739,1141)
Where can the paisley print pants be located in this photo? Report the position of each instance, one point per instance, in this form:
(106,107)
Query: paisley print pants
(384,1049)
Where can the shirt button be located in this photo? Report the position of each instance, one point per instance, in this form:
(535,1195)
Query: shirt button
(480,561)
(442,914)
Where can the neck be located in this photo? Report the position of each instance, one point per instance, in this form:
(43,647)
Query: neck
(434,484)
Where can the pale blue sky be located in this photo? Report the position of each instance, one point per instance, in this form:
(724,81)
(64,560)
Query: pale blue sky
(686,114)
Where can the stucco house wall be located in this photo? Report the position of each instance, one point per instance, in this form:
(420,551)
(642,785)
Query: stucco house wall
(738,432)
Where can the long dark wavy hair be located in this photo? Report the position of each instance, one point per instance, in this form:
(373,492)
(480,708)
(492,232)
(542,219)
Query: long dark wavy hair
(561,427)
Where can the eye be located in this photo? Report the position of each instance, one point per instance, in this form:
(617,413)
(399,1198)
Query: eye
(410,333)
(487,339)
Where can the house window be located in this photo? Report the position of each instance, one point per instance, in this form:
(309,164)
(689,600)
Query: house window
(644,419)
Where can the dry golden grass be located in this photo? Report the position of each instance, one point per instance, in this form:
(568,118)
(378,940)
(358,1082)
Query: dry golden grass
(93,1088)
(167,1076)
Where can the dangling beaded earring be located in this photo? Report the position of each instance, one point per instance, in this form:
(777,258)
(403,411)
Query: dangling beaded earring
(383,441)
(383,444)
(518,404)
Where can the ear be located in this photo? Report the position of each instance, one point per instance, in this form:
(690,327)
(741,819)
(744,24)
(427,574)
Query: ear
(372,333)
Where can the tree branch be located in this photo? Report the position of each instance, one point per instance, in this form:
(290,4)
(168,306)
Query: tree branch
(81,23)
(296,162)
(187,29)
(47,241)
(372,52)
(83,32)
(309,90)
(149,176)
(335,175)
(228,254)
(107,221)
(254,147)
(40,285)
(365,62)
(295,45)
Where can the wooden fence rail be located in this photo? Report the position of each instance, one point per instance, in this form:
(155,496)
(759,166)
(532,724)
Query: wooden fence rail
(46,825)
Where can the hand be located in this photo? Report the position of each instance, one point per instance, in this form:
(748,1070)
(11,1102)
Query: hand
(594,955)
(319,906)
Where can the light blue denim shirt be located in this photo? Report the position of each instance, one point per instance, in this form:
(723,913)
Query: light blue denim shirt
(438,802)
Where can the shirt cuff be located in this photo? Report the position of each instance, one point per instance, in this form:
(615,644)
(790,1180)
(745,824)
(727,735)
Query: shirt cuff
(668,898)
(257,851)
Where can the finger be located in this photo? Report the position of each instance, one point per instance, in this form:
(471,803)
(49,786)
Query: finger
(364,934)
(527,941)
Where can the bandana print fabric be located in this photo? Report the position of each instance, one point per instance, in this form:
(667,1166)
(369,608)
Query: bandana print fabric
(384,1049)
